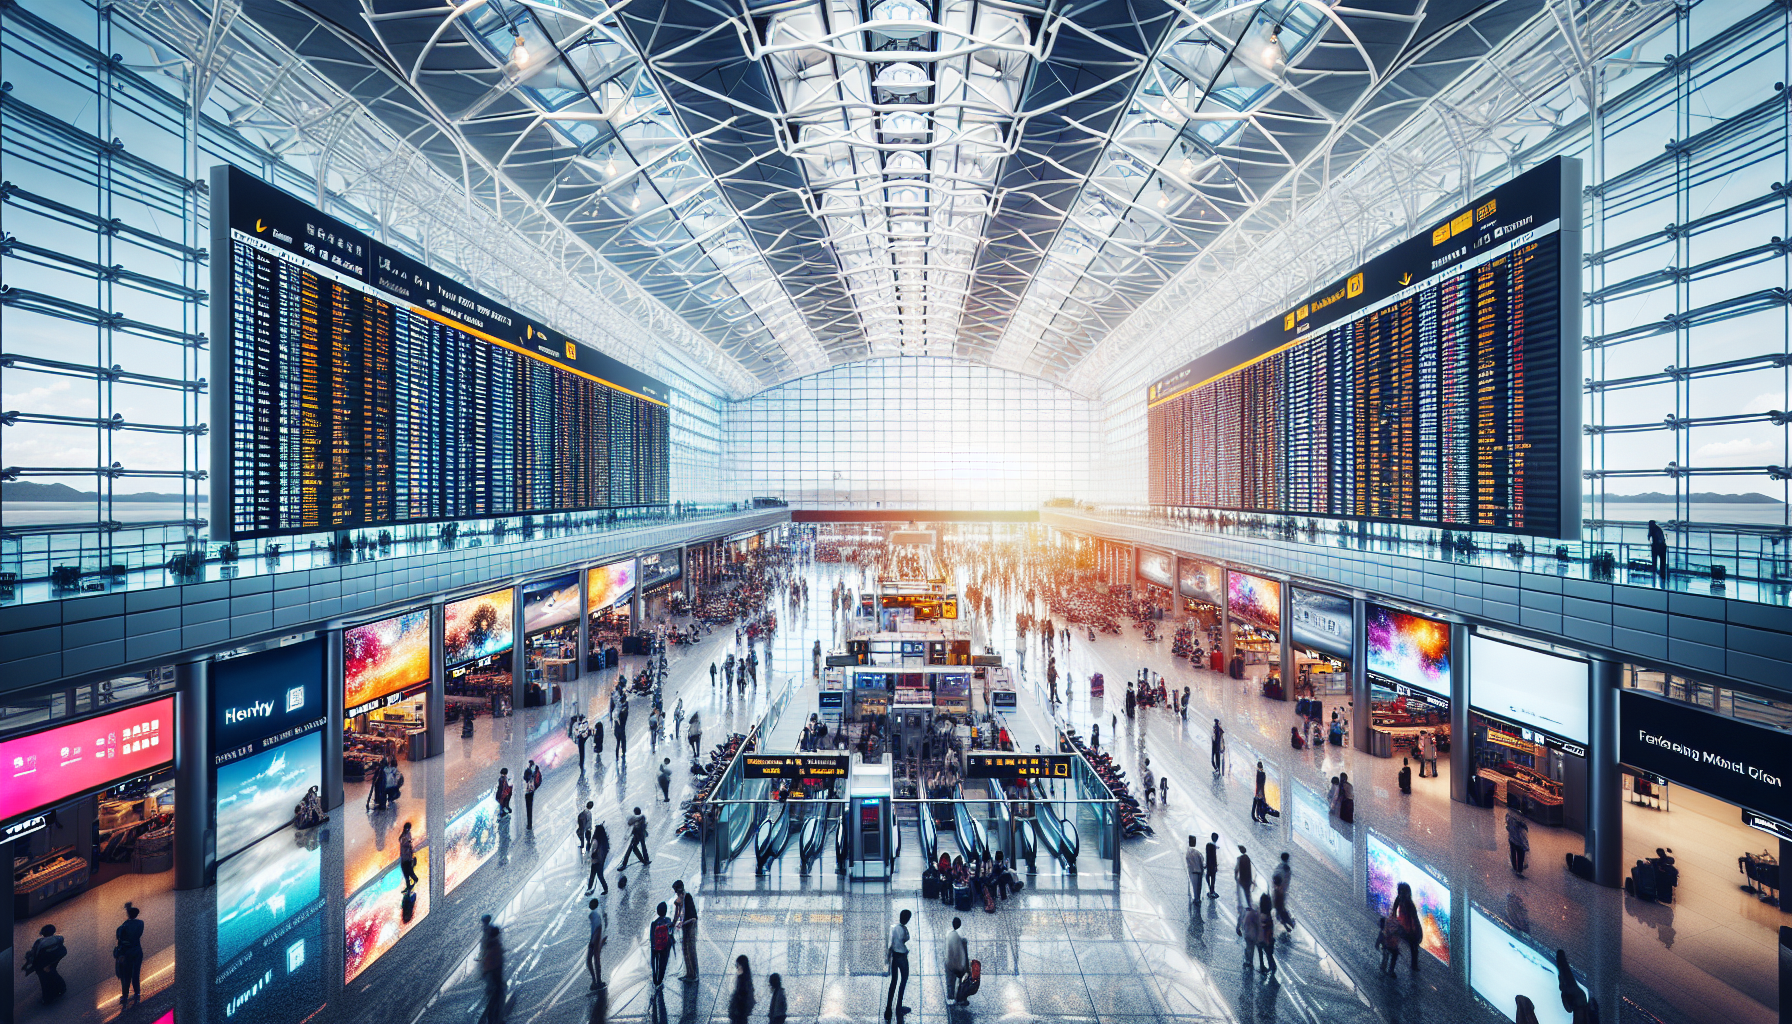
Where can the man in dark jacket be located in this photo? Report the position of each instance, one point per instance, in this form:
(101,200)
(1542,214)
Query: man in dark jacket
(41,959)
(1213,865)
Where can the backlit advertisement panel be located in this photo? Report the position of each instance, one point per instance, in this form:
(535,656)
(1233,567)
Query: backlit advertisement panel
(469,841)
(257,794)
(1321,621)
(266,696)
(66,761)
(384,657)
(1530,687)
(548,603)
(1255,600)
(263,887)
(1202,581)
(1157,566)
(1409,649)
(379,915)
(478,627)
(609,585)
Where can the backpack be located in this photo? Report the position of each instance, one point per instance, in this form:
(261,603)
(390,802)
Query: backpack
(972,981)
(662,934)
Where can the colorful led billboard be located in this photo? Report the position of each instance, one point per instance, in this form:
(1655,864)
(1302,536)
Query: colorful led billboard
(384,657)
(478,627)
(65,761)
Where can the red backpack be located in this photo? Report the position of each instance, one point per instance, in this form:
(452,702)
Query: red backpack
(662,934)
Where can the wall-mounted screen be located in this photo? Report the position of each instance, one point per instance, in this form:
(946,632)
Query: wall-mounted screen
(1157,566)
(469,841)
(1410,649)
(548,603)
(1255,600)
(278,978)
(1436,385)
(1388,867)
(263,887)
(1202,581)
(1743,763)
(1529,687)
(45,768)
(1503,965)
(1320,621)
(659,568)
(477,627)
(384,657)
(257,794)
(379,915)
(355,387)
(268,696)
(609,585)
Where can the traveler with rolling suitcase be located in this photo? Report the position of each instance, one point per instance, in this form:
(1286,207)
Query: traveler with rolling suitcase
(958,962)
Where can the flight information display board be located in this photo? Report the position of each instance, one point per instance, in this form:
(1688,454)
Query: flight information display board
(354,387)
(1436,385)
(1017,766)
(795,766)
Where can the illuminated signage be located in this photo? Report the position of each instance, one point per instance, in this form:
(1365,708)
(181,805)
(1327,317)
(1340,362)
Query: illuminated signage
(45,768)
(1018,766)
(795,766)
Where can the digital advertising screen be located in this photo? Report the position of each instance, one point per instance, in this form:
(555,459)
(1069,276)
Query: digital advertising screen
(951,689)
(383,657)
(609,585)
(45,768)
(549,603)
(1503,965)
(1388,867)
(660,567)
(381,914)
(1728,758)
(355,388)
(1255,600)
(1530,687)
(1320,621)
(1202,581)
(469,841)
(477,627)
(268,695)
(1409,649)
(263,887)
(257,794)
(1436,385)
(1311,819)
(1157,566)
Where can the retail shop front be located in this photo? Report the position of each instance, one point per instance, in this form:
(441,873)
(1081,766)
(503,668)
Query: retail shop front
(1408,666)
(1528,724)
(478,641)
(550,638)
(385,689)
(660,574)
(1254,620)
(1156,578)
(1201,586)
(1320,627)
(609,610)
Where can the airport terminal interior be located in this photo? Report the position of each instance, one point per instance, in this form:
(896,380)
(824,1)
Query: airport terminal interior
(920,511)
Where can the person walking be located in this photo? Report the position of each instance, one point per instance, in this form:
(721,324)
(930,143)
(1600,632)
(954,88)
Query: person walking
(665,779)
(637,839)
(1163,789)
(684,923)
(1427,753)
(1405,777)
(594,945)
(1279,881)
(1406,915)
(504,791)
(621,729)
(583,828)
(1213,866)
(127,956)
(1658,550)
(600,852)
(407,857)
(1150,783)
(958,964)
(581,734)
(1259,928)
(491,968)
(1260,799)
(1219,744)
(531,782)
(776,1008)
(693,734)
(1195,867)
(1346,799)
(1518,841)
(659,943)
(742,1000)
(897,954)
(1241,874)
(712,675)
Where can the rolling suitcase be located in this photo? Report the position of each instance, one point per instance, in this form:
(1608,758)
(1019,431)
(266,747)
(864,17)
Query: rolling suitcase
(961,898)
(972,981)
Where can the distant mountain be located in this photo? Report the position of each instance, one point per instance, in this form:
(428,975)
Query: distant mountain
(25,490)
(1697,497)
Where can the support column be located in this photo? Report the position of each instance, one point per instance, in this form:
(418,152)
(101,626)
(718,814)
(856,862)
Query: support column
(1226,622)
(193,845)
(435,706)
(584,640)
(1361,719)
(519,665)
(1284,646)
(336,718)
(1605,802)
(1461,754)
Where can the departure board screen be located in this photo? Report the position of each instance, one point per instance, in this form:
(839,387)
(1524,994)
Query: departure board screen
(1436,385)
(354,387)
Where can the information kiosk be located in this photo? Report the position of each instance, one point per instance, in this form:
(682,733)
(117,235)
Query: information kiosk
(870,823)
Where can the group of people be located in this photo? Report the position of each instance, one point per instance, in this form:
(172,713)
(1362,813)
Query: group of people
(984,879)
(47,952)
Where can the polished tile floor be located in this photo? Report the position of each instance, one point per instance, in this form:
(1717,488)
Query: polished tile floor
(1078,948)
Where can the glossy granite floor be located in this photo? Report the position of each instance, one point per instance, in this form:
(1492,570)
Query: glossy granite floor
(1076,948)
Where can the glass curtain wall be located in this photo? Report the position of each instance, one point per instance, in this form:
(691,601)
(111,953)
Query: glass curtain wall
(927,433)
(104,440)
(1686,357)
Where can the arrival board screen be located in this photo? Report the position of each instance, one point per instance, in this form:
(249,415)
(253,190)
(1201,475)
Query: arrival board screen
(1437,385)
(360,388)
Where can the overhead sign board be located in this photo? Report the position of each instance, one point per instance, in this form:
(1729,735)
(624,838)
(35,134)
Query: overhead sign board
(1017,766)
(795,766)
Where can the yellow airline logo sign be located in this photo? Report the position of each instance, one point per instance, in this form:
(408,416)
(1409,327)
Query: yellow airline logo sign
(1462,222)
(571,353)
(1288,322)
(1354,286)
